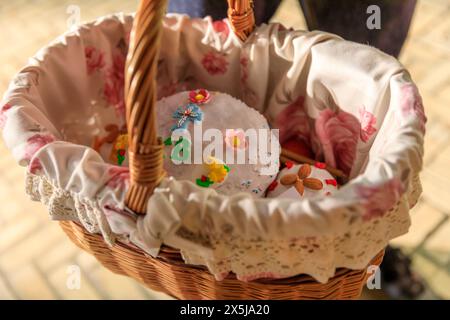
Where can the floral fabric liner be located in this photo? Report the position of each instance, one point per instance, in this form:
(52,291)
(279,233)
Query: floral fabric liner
(356,107)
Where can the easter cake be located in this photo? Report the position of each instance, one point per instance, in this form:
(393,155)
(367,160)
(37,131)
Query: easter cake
(208,142)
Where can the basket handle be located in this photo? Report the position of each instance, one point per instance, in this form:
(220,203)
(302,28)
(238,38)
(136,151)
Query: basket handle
(145,147)
(242,18)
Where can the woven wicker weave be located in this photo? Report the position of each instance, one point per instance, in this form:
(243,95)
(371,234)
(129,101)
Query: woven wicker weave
(168,273)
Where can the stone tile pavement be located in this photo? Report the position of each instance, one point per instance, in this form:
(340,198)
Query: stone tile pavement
(36,259)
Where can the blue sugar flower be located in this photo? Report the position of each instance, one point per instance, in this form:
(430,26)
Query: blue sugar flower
(186,114)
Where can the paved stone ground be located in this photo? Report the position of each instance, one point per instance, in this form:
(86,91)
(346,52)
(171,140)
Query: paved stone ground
(35,256)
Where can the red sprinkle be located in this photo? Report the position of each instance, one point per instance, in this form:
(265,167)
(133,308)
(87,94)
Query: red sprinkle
(332,182)
(328,193)
(273,185)
(320,165)
(6,107)
(289,164)
(122,152)
(204,178)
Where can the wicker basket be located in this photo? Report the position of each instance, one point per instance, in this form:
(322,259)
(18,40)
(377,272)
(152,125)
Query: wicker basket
(168,273)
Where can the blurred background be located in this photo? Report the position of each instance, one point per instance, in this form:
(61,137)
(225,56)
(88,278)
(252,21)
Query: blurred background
(35,256)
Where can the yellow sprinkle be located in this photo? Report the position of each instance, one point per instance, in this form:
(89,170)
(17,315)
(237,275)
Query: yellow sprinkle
(218,175)
(199,97)
(236,141)
(217,171)
(121,142)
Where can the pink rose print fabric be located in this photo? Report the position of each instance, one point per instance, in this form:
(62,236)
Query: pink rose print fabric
(368,124)
(411,104)
(215,63)
(95,59)
(113,90)
(244,69)
(114,84)
(338,132)
(248,94)
(222,28)
(35,143)
(119,177)
(35,166)
(377,200)
(294,122)
(170,88)
(3,118)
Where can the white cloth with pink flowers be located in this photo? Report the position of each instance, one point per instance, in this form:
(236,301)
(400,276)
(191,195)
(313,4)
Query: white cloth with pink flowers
(356,107)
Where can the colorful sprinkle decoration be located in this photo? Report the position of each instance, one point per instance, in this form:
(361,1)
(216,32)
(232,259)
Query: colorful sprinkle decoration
(200,96)
(235,139)
(120,156)
(204,182)
(217,174)
(332,182)
(289,164)
(120,147)
(168,141)
(246,183)
(186,114)
(217,171)
(257,190)
(320,165)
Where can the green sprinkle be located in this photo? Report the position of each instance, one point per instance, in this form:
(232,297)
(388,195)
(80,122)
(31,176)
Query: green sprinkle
(226,168)
(204,184)
(168,141)
(120,159)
